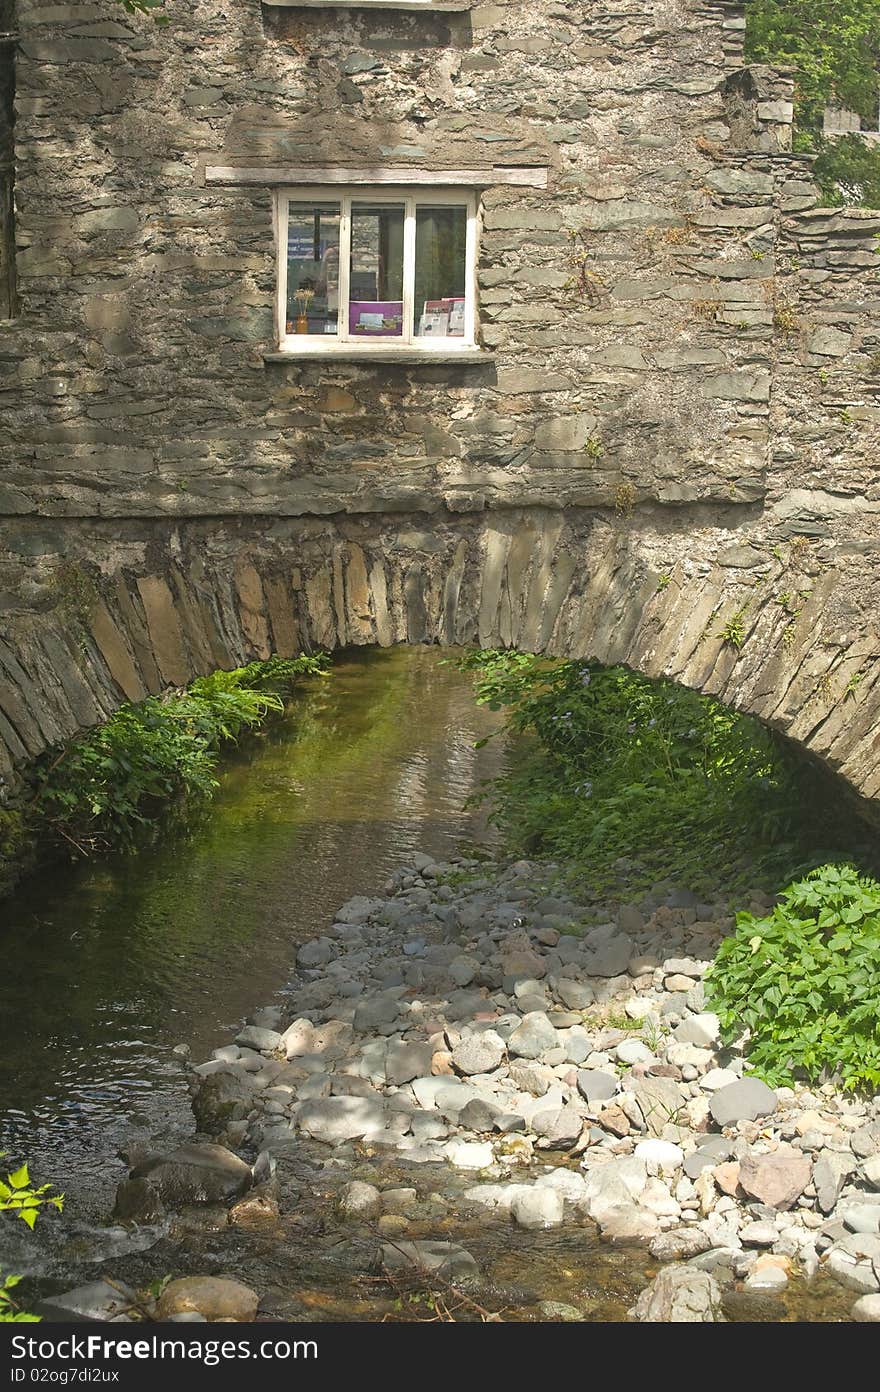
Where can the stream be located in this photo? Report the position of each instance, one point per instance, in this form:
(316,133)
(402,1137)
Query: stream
(110,967)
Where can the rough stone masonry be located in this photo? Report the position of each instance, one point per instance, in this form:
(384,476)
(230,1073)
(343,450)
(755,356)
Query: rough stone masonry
(665,457)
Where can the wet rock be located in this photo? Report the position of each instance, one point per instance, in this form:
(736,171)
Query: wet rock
(679,1244)
(215,1297)
(444,1259)
(138,1201)
(538,1208)
(360,1200)
(479,1053)
(778,1179)
(743,1101)
(223,1097)
(192,1174)
(557,1310)
(742,1306)
(99,1300)
(335,1119)
(680,1295)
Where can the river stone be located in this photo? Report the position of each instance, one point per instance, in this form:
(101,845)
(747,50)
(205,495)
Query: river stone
(222,1098)
(679,1244)
(778,1179)
(215,1297)
(746,1100)
(335,1119)
(829,1175)
(596,1086)
(610,958)
(403,1062)
(263,1040)
(680,1295)
(701,1030)
(533,1037)
(576,995)
(478,1053)
(855,1261)
(633,1051)
(628,1222)
(558,1310)
(298,1038)
(193,1173)
(867,1309)
(661,1157)
(360,1200)
(479,1114)
(659,1100)
(538,1208)
(560,1127)
(316,953)
(376,1011)
(98,1300)
(444,1259)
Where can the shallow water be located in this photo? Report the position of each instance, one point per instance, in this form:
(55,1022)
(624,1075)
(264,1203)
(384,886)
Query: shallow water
(106,967)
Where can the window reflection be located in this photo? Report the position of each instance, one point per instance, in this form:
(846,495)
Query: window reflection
(376,285)
(441,259)
(313,268)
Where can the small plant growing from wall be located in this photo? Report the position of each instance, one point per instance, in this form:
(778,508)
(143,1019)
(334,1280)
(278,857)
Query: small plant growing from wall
(734,631)
(786,319)
(74,594)
(593,447)
(624,499)
(586,282)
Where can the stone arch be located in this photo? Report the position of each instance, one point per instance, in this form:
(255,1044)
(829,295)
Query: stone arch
(116,613)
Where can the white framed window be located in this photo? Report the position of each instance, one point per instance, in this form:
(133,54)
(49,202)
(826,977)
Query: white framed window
(376,270)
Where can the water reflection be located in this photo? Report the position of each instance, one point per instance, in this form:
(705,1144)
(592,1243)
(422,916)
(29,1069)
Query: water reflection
(107,967)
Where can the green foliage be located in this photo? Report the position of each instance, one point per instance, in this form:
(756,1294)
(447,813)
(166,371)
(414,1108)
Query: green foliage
(17,1195)
(805,982)
(835,47)
(615,766)
(833,44)
(106,789)
(847,171)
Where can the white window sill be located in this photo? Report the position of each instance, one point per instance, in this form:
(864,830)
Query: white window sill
(371,353)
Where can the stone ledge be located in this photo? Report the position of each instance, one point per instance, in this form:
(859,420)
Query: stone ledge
(404,357)
(429,6)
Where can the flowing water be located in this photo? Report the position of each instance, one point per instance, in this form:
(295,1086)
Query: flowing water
(108,966)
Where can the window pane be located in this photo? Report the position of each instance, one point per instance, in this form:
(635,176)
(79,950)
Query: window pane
(376,293)
(441,240)
(313,268)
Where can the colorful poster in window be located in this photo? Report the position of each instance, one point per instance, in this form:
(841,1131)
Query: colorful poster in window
(442,318)
(375,318)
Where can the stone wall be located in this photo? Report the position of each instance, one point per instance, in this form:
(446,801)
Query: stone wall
(671,437)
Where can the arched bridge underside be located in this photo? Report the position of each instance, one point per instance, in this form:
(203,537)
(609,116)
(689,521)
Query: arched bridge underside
(777,624)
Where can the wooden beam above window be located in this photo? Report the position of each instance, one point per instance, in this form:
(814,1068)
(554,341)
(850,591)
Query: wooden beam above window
(525,176)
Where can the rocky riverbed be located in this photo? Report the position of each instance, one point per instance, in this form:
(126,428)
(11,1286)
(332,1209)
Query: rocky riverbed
(477,1045)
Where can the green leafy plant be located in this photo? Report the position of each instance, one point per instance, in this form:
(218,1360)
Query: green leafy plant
(105,790)
(18,1195)
(607,764)
(734,631)
(805,981)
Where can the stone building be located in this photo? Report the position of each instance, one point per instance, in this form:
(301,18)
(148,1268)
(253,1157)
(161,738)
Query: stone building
(509,323)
